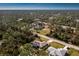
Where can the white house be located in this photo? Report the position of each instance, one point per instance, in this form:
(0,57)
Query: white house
(57,52)
(77,20)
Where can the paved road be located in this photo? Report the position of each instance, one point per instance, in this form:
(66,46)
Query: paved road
(58,41)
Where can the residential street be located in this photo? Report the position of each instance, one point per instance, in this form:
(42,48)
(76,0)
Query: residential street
(58,41)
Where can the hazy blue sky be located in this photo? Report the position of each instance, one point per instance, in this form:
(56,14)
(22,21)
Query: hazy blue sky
(39,6)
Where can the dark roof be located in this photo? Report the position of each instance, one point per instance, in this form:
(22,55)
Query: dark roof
(36,44)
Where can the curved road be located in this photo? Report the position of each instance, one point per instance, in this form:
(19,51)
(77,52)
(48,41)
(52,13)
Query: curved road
(58,41)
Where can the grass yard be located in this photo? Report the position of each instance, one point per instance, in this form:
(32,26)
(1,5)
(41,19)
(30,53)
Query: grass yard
(73,52)
(56,45)
(44,31)
(43,39)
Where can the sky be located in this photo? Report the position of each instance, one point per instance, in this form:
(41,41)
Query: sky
(39,6)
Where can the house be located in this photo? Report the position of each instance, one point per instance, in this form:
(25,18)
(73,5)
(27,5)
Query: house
(37,19)
(57,52)
(65,27)
(50,18)
(77,20)
(36,44)
(19,19)
(39,44)
(37,25)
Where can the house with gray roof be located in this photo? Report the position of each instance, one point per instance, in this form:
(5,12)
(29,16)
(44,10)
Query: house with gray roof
(57,52)
(37,25)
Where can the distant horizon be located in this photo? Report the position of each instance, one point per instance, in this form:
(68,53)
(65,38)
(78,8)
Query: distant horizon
(39,6)
(35,9)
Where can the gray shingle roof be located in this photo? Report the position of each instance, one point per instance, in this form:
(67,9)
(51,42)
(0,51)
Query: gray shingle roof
(56,52)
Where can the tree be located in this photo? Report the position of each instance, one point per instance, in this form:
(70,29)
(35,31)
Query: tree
(26,50)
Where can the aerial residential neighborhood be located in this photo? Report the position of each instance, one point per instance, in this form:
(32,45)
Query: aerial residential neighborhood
(39,32)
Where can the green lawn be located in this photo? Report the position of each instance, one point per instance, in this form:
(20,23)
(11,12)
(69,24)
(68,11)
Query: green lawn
(56,45)
(43,39)
(73,52)
(44,31)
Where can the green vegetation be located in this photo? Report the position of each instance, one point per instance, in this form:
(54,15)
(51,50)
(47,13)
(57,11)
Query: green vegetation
(43,39)
(66,35)
(73,52)
(28,50)
(13,37)
(16,37)
(56,45)
(44,31)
